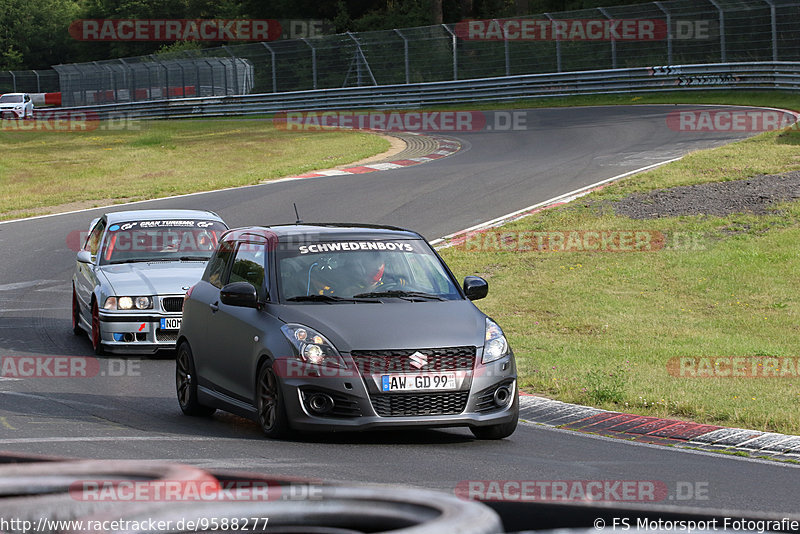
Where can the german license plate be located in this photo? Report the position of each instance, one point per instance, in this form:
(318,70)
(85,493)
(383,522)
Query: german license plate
(421,382)
(170,323)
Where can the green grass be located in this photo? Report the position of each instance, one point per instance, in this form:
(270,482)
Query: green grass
(42,169)
(599,328)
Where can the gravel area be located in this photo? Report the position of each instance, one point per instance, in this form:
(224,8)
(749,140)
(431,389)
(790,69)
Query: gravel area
(753,195)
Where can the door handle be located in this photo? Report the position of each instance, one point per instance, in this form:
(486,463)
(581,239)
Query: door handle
(214,306)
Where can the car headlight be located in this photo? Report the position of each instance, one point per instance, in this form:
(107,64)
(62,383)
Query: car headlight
(128,303)
(312,347)
(495,345)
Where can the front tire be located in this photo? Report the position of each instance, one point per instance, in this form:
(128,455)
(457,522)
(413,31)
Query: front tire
(186,384)
(97,344)
(270,404)
(76,314)
(501,431)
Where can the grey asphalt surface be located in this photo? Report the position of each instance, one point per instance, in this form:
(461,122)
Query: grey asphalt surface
(136,416)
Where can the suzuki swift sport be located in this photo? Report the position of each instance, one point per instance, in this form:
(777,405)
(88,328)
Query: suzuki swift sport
(335,327)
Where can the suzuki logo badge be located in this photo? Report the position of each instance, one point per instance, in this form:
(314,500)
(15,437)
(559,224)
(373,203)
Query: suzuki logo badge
(419,360)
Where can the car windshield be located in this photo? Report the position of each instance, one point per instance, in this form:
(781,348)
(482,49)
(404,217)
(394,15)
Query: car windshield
(362,270)
(161,240)
(10,99)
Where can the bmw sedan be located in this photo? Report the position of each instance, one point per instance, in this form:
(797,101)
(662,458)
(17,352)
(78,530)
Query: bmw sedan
(342,327)
(132,273)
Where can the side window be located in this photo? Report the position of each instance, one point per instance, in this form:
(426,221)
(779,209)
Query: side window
(248,266)
(218,264)
(93,241)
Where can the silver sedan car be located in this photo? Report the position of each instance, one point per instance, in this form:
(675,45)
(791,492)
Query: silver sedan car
(132,273)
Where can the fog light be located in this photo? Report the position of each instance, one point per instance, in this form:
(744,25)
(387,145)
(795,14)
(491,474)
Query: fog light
(320,403)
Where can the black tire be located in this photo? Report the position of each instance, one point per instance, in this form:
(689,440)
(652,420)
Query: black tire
(186,384)
(94,335)
(501,431)
(76,314)
(270,407)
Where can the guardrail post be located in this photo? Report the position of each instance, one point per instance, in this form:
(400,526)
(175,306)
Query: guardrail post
(405,55)
(314,62)
(558,43)
(669,31)
(274,74)
(38,85)
(235,73)
(722,52)
(613,41)
(13,80)
(455,51)
(774,26)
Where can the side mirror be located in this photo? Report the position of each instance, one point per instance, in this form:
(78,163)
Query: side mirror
(84,256)
(241,294)
(475,287)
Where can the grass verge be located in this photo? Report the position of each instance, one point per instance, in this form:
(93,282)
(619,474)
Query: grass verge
(41,169)
(600,328)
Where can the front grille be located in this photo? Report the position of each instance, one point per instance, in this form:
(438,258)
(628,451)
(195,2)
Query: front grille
(166,335)
(484,399)
(370,362)
(172,304)
(414,404)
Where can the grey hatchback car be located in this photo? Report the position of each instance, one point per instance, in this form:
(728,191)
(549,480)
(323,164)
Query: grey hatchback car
(334,327)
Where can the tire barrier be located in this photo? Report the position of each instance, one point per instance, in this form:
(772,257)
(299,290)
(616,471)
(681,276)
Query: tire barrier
(31,491)
(331,509)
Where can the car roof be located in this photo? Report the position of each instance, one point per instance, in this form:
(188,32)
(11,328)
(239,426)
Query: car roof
(148,215)
(328,231)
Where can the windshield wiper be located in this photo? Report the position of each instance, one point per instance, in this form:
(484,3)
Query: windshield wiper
(193,258)
(325,298)
(136,260)
(408,295)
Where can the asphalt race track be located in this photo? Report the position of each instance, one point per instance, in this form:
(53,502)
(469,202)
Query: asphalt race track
(129,409)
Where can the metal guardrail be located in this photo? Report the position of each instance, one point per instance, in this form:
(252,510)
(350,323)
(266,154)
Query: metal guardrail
(737,76)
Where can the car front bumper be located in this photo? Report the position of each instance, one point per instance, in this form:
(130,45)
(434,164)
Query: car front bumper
(136,333)
(360,409)
(4,112)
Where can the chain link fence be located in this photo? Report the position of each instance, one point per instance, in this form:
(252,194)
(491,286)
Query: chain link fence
(29,81)
(693,32)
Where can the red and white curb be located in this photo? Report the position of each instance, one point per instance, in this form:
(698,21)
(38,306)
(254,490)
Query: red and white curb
(657,430)
(445,147)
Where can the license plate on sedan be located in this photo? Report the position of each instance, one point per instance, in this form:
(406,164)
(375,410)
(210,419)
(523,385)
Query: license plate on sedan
(170,323)
(423,382)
